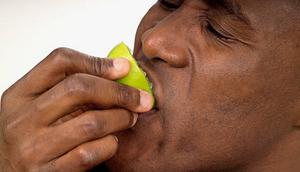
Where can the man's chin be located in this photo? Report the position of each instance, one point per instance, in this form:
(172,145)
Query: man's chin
(138,144)
(130,151)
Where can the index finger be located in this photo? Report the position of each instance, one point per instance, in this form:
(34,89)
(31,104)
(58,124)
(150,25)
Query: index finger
(63,62)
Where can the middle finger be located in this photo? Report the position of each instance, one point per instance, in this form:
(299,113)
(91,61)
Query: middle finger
(83,89)
(86,127)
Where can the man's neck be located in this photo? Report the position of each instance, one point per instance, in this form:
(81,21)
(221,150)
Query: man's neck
(283,157)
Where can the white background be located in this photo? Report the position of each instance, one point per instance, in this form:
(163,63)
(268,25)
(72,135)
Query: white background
(31,29)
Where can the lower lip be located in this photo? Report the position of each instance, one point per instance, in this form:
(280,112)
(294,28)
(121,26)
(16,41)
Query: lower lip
(148,116)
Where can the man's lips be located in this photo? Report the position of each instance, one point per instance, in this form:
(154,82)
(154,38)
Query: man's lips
(151,112)
(156,88)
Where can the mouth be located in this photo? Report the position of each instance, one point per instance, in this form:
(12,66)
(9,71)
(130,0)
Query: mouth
(151,112)
(155,86)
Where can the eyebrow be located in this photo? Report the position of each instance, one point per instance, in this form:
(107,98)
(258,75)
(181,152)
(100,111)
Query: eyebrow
(231,7)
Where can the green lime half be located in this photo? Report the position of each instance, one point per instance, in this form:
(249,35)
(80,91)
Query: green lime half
(136,77)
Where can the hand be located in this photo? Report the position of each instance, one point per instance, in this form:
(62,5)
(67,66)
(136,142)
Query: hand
(61,115)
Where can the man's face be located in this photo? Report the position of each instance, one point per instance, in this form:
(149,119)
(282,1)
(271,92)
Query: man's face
(225,76)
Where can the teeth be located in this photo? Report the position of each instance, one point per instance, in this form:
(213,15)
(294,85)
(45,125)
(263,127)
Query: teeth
(151,85)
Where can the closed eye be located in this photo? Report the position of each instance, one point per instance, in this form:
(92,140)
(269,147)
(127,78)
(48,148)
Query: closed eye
(216,33)
(168,5)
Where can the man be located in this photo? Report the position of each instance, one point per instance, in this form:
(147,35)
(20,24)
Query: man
(226,81)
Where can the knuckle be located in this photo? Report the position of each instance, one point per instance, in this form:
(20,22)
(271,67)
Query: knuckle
(26,157)
(127,96)
(86,158)
(92,127)
(60,56)
(99,66)
(22,151)
(8,130)
(77,84)
(35,168)
(27,149)
(37,107)
(5,95)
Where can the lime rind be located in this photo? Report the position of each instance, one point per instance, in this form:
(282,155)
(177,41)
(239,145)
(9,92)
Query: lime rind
(136,77)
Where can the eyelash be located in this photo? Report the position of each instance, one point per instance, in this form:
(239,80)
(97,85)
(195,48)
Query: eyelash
(211,29)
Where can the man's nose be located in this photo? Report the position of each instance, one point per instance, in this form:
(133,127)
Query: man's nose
(166,41)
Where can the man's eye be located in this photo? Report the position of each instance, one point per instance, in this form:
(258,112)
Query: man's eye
(216,33)
(169,5)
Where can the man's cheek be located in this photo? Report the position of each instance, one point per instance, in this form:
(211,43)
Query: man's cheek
(231,127)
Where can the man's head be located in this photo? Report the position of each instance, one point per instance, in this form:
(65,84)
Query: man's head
(226,77)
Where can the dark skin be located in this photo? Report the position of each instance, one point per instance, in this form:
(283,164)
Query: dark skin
(61,116)
(227,88)
(226,83)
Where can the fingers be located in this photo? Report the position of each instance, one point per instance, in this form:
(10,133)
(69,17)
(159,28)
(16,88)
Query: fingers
(87,155)
(86,127)
(63,62)
(81,89)
(59,86)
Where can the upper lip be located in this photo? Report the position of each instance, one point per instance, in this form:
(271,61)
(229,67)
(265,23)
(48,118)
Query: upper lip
(154,81)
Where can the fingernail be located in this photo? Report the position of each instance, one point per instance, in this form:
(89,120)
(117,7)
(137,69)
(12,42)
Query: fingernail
(120,64)
(145,101)
(135,117)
